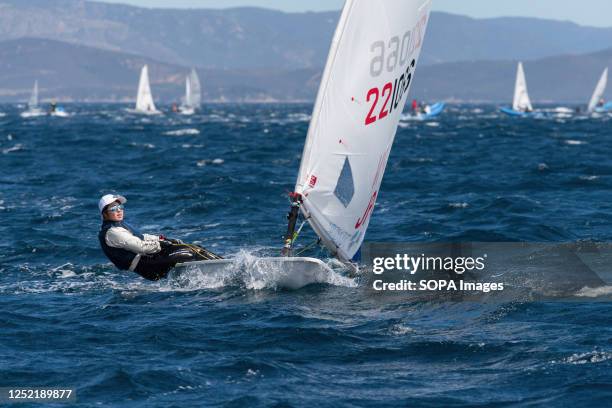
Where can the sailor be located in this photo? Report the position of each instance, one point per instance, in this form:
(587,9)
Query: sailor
(415,106)
(151,256)
(601,103)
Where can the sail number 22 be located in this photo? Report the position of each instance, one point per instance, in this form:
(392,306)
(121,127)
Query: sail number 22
(388,57)
(391,91)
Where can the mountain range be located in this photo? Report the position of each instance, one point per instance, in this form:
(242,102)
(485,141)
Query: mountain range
(82,50)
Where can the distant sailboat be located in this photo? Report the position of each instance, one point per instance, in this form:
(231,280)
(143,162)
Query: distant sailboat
(521,104)
(428,112)
(33,108)
(596,103)
(193,94)
(144,100)
(57,111)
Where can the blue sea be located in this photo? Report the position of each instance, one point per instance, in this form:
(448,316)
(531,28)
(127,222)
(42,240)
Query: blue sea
(220,178)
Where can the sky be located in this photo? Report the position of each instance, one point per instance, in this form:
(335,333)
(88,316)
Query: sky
(586,12)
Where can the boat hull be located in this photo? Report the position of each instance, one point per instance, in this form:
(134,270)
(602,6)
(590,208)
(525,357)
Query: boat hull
(33,113)
(435,110)
(512,112)
(532,114)
(291,273)
(603,109)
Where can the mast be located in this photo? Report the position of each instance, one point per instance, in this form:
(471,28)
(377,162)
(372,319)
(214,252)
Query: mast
(292,217)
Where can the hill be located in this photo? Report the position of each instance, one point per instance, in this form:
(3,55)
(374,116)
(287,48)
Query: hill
(253,38)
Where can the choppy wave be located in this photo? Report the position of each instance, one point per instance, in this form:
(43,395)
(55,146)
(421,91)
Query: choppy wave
(592,357)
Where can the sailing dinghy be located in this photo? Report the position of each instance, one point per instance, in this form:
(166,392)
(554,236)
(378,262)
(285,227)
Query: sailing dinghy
(363,91)
(144,100)
(193,94)
(430,112)
(521,104)
(33,109)
(596,104)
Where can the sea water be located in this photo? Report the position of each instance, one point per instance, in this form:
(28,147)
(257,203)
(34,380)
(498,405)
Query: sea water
(220,178)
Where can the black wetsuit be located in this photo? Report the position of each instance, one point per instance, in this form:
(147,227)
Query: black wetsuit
(157,266)
(154,266)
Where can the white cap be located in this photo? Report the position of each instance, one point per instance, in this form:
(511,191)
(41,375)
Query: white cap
(110,198)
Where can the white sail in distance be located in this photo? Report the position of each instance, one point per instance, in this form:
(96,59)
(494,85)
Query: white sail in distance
(363,90)
(521,100)
(33,102)
(144,100)
(599,91)
(193,93)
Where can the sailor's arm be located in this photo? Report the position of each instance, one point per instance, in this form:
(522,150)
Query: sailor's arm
(149,237)
(118,237)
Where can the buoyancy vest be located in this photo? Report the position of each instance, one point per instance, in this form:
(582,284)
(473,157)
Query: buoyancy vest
(121,258)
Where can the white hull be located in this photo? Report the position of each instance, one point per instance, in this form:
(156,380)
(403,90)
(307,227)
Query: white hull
(144,112)
(186,111)
(292,273)
(33,113)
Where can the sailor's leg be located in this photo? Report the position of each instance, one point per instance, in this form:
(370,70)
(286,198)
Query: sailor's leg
(157,266)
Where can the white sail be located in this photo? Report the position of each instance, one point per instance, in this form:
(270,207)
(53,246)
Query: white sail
(33,102)
(187,101)
(599,91)
(521,100)
(364,87)
(193,93)
(144,100)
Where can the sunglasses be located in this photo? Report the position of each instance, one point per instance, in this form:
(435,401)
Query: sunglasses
(115,208)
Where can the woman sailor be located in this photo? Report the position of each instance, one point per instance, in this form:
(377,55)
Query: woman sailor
(150,256)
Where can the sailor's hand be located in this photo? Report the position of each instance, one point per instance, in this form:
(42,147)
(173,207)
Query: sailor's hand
(164,243)
(175,241)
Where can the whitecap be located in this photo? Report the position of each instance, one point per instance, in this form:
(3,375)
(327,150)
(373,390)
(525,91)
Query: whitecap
(594,292)
(400,330)
(591,357)
(145,145)
(183,132)
(15,148)
(458,205)
(202,163)
(574,142)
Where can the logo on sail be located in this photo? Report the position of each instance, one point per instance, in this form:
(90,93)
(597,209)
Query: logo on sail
(313,181)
